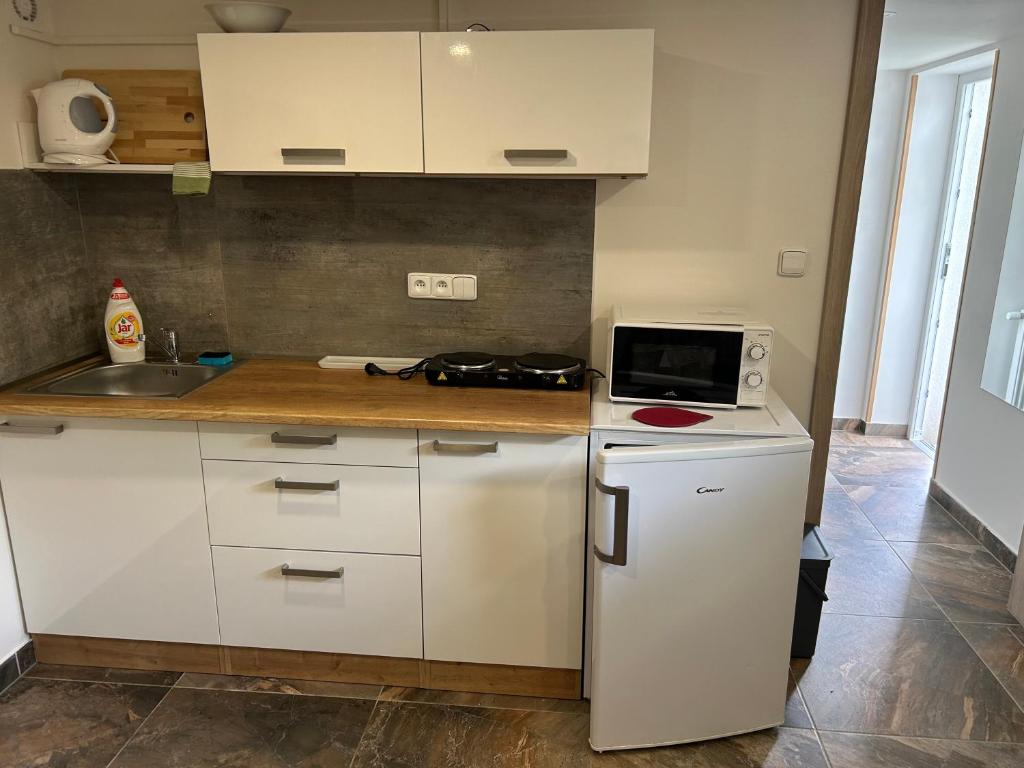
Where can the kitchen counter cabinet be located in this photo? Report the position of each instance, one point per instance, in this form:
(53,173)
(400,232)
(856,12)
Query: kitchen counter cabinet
(503,520)
(459,552)
(108,525)
(298,392)
(356,509)
(371,608)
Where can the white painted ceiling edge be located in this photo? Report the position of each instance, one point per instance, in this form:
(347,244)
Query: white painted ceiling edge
(961,63)
(919,32)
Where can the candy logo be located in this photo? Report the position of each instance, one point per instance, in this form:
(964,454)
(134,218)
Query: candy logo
(702,489)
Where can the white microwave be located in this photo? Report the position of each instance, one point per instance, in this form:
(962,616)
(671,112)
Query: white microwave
(711,358)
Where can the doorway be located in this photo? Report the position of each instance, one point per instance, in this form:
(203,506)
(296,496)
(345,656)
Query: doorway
(952,243)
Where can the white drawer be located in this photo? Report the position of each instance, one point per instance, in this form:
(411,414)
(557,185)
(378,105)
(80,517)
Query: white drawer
(308,445)
(355,509)
(372,608)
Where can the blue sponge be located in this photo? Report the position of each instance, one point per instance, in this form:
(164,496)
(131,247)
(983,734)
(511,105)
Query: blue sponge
(215,358)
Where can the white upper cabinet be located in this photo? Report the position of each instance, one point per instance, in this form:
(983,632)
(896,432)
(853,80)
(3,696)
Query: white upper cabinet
(567,102)
(313,102)
(537,103)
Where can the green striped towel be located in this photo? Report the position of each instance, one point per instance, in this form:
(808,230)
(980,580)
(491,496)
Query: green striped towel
(191,179)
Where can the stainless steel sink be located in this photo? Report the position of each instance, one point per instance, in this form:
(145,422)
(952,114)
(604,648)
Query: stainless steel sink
(149,380)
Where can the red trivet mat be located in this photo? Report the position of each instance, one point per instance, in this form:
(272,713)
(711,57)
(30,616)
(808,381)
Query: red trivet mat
(669,417)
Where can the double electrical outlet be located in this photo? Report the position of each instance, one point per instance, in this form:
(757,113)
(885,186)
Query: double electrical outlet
(425,285)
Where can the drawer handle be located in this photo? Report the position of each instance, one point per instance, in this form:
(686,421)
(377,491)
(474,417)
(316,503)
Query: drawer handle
(32,429)
(281,439)
(302,485)
(536,154)
(287,570)
(314,155)
(472,449)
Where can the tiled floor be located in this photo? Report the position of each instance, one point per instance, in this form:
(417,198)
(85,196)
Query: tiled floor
(918,665)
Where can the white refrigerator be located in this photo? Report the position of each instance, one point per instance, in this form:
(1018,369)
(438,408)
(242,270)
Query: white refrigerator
(695,564)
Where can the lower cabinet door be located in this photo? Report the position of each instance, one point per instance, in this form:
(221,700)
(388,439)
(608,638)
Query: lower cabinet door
(108,527)
(319,601)
(502,517)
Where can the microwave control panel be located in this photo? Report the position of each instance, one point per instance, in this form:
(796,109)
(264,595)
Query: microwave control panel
(754,365)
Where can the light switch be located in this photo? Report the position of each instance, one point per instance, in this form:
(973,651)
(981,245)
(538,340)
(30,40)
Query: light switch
(792,263)
(465,287)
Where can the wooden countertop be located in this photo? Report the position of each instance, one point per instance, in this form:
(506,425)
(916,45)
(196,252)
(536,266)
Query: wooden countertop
(300,392)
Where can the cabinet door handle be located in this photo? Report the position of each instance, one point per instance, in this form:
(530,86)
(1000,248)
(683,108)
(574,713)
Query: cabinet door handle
(281,439)
(472,449)
(313,155)
(536,154)
(620,527)
(302,485)
(312,573)
(31,429)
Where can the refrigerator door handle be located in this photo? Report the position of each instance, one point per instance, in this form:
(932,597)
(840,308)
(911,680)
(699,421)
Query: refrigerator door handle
(621,525)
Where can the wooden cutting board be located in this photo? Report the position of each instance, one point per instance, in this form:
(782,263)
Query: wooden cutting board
(159,113)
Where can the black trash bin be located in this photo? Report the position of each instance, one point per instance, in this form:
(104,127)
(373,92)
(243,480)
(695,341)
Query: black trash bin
(814,562)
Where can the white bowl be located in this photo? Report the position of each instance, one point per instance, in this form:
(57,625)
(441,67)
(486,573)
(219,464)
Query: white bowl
(249,17)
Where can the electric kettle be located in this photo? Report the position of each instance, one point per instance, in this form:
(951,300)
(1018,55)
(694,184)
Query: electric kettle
(70,127)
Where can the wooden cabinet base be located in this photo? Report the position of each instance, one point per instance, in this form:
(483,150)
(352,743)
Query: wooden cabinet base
(306,665)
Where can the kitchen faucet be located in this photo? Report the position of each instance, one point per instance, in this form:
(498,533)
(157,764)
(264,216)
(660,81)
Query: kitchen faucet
(169,346)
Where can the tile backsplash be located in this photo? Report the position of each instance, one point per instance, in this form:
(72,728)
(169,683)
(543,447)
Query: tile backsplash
(316,265)
(294,265)
(165,248)
(46,304)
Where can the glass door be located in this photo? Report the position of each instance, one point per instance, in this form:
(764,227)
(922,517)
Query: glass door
(971,117)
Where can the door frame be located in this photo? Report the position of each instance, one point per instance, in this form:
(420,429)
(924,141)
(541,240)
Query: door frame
(890,253)
(864,68)
(954,171)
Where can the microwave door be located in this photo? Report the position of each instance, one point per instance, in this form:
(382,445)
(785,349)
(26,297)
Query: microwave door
(677,365)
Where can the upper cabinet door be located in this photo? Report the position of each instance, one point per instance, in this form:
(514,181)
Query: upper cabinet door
(538,103)
(313,102)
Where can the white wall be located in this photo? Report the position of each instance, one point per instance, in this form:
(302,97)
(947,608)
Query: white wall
(168,18)
(24,64)
(12,626)
(916,248)
(181,19)
(874,222)
(1010,298)
(982,446)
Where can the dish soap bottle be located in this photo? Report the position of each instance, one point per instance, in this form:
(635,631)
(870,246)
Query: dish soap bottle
(122,325)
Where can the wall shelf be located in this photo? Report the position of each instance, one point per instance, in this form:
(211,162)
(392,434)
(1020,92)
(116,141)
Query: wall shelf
(110,168)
